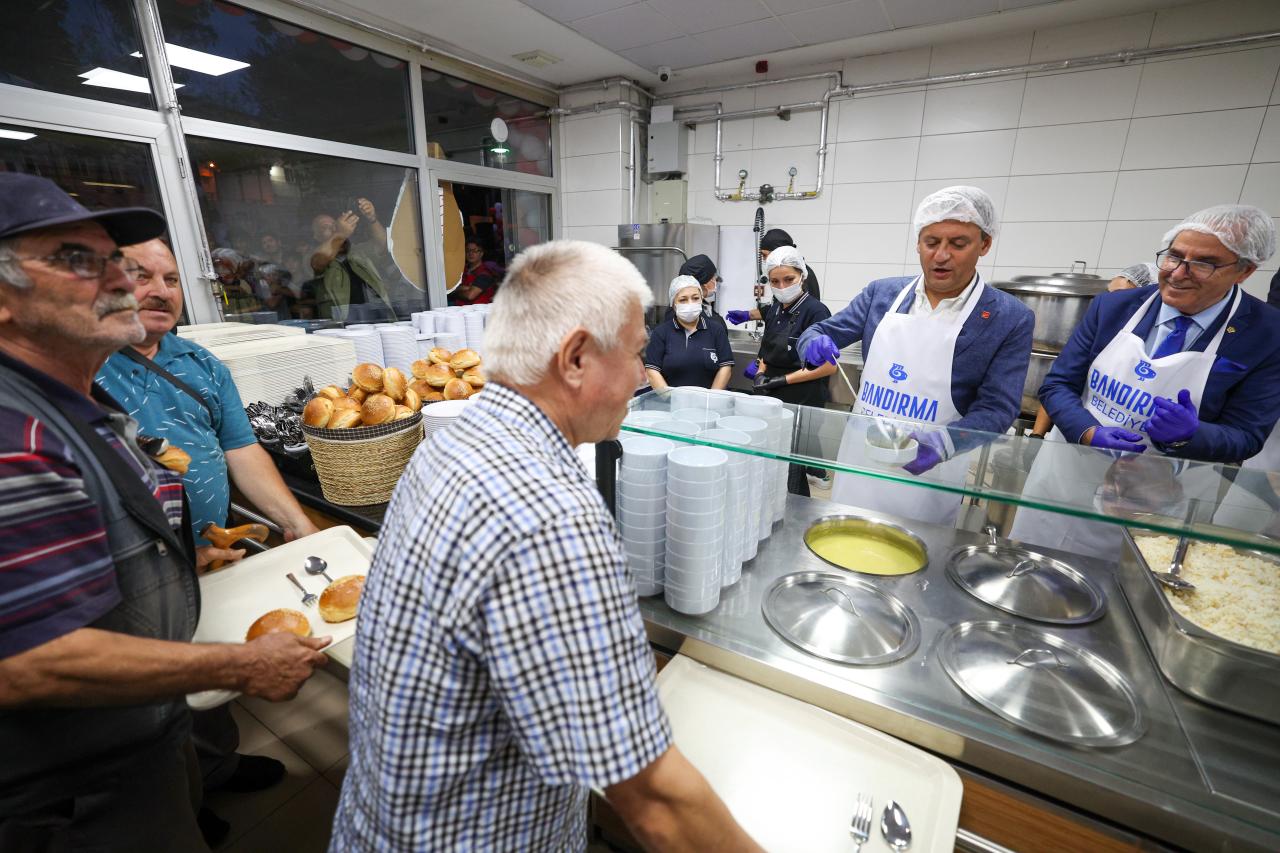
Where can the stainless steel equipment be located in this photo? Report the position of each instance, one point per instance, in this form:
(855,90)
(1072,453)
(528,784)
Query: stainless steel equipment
(841,618)
(870,528)
(659,250)
(1042,683)
(1212,669)
(1037,370)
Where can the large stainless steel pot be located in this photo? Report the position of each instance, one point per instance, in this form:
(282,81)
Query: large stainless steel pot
(1059,302)
(1037,370)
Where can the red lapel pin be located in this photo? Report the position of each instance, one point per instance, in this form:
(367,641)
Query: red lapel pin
(986,315)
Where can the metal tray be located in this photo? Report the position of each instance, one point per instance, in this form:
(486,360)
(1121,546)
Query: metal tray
(1202,664)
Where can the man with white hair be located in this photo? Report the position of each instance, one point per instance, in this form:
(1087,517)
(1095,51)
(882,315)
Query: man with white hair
(942,349)
(501,668)
(1189,370)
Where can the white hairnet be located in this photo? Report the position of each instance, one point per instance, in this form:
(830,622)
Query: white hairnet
(678,284)
(960,203)
(1245,230)
(785,256)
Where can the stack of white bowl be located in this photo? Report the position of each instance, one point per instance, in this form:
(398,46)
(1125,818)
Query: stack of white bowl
(757,470)
(424,322)
(769,410)
(672,426)
(399,346)
(785,432)
(451,330)
(642,508)
(702,418)
(436,416)
(697,492)
(473,329)
(645,417)
(367,341)
(736,511)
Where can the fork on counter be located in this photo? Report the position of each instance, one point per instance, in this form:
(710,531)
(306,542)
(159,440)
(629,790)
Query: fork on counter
(308,598)
(860,828)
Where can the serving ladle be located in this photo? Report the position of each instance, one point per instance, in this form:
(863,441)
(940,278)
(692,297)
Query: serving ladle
(1173,578)
(316,566)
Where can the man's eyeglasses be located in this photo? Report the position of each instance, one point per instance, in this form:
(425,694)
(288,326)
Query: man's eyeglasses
(85,264)
(1197,270)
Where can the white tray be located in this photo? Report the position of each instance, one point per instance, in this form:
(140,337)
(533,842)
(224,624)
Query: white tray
(791,772)
(232,599)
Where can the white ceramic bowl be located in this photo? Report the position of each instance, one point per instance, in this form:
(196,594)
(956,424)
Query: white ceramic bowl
(678,549)
(892,455)
(688,397)
(689,533)
(713,517)
(690,606)
(702,416)
(644,451)
(697,463)
(642,476)
(677,502)
(692,489)
(671,426)
(632,518)
(629,501)
(754,406)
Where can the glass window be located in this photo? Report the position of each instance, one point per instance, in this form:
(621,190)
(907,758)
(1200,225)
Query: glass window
(484,229)
(311,236)
(75,47)
(470,123)
(245,68)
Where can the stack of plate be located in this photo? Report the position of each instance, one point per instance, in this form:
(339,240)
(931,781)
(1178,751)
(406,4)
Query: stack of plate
(473,329)
(769,410)
(206,334)
(757,471)
(437,416)
(366,340)
(703,418)
(425,343)
(737,504)
(642,508)
(451,329)
(424,322)
(399,347)
(697,491)
(271,369)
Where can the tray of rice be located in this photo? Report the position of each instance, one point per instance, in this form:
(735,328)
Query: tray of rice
(1221,642)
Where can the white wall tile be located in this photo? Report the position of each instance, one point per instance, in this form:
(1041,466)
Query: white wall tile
(592,135)
(996,187)
(598,207)
(702,170)
(985,153)
(1259,284)
(706,207)
(605,235)
(845,281)
(1192,139)
(880,116)
(866,244)
(1055,244)
(1059,198)
(889,201)
(977,55)
(886,67)
(973,106)
(1214,19)
(770,165)
(1092,37)
(1262,187)
(783,214)
(773,132)
(1216,82)
(1167,193)
(1133,242)
(591,172)
(1053,149)
(878,160)
(736,135)
(1268,150)
(811,240)
(1096,95)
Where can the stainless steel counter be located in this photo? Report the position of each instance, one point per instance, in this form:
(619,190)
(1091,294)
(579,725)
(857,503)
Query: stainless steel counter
(1199,777)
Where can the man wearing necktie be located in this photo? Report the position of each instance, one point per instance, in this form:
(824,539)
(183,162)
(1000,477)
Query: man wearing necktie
(1190,370)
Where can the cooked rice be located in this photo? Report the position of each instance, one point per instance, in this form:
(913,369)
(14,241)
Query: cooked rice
(1237,595)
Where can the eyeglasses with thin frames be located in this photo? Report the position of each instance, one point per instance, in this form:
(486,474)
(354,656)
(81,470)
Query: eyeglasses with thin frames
(1197,270)
(86,264)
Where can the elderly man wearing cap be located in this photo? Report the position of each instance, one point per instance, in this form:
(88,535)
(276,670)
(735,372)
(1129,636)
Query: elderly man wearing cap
(1190,370)
(98,593)
(942,349)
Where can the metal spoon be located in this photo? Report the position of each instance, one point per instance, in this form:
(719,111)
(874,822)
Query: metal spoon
(1173,578)
(316,566)
(895,827)
(308,598)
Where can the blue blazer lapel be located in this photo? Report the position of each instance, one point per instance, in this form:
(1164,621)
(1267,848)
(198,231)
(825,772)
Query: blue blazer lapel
(977,324)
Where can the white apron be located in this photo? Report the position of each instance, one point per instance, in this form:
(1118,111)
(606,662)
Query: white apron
(907,377)
(1120,390)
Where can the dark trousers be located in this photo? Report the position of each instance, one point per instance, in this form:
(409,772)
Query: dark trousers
(216,738)
(797,482)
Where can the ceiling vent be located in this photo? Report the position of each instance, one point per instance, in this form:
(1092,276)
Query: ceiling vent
(537,58)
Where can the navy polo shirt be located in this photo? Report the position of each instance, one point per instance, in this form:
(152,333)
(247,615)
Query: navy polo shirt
(688,358)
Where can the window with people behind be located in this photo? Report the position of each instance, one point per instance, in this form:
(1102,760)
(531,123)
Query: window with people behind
(307,236)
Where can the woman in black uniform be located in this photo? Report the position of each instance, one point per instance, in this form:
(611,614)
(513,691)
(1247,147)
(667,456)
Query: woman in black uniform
(780,371)
(687,348)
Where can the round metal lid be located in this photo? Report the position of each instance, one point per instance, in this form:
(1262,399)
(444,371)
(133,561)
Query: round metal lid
(1025,583)
(840,618)
(1042,683)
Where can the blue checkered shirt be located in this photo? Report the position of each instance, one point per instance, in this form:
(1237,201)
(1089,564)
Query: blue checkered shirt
(501,667)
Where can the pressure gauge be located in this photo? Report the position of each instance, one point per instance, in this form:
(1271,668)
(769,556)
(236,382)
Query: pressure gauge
(792,171)
(742,173)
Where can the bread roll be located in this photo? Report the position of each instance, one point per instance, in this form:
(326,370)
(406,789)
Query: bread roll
(456,389)
(279,621)
(474,377)
(464,359)
(377,409)
(438,375)
(333,392)
(402,412)
(412,399)
(355,392)
(394,383)
(432,396)
(345,404)
(175,459)
(345,419)
(419,368)
(339,600)
(317,412)
(439,356)
(368,377)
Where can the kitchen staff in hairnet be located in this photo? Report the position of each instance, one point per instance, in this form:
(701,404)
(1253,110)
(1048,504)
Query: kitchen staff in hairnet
(776,238)
(704,270)
(1188,370)
(687,348)
(942,349)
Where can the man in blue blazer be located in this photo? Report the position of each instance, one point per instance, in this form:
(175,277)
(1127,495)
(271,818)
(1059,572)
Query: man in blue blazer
(1189,369)
(941,349)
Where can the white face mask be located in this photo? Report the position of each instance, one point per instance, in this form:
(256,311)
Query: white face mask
(709,297)
(688,311)
(787,295)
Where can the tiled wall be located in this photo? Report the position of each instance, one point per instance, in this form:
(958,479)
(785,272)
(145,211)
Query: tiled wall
(1089,165)
(593,168)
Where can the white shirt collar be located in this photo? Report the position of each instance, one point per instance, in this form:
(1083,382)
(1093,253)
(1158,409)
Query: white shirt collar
(920,305)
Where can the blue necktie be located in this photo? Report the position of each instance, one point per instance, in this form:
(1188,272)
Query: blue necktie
(1176,340)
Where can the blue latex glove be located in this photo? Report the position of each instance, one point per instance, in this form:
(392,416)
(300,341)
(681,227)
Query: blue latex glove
(1172,421)
(752,369)
(1115,438)
(821,350)
(738,317)
(932,450)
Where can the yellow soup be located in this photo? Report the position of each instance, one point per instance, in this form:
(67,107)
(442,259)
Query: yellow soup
(862,553)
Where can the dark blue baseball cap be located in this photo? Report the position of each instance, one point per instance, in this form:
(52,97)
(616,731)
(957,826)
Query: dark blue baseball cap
(29,203)
(700,267)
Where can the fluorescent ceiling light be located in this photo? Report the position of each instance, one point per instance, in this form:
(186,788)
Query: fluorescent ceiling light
(109,79)
(196,60)
(16,134)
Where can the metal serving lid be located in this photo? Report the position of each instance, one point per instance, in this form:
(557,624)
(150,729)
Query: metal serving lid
(1042,683)
(1025,583)
(840,618)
